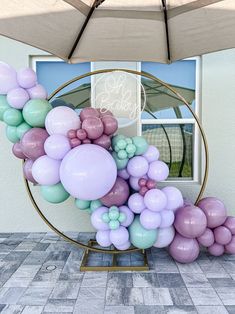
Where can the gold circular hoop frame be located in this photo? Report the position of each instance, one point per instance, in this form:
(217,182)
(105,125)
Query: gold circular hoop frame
(146,75)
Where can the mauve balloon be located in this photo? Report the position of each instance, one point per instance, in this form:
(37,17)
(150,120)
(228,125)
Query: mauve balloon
(207,238)
(230,248)
(216,249)
(17,151)
(222,235)
(110,124)
(118,195)
(93,127)
(230,224)
(214,210)
(184,250)
(32,143)
(103,141)
(190,221)
(27,170)
(89,112)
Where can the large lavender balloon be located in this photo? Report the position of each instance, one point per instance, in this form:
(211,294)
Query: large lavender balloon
(88,172)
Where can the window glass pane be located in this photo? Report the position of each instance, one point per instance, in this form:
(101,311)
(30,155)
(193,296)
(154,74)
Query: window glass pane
(175,144)
(163,103)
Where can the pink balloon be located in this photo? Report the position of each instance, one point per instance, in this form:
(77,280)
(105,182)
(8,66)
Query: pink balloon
(17,98)
(222,235)
(230,248)
(216,249)
(74,142)
(152,153)
(110,124)
(89,112)
(167,218)
(118,195)
(158,171)
(230,224)
(57,146)
(123,174)
(136,203)
(45,170)
(184,250)
(174,197)
(32,143)
(149,219)
(17,151)
(207,238)
(93,127)
(103,141)
(27,170)
(214,210)
(151,184)
(8,78)
(119,236)
(143,190)
(86,141)
(129,216)
(72,134)
(81,134)
(124,246)
(26,77)
(137,166)
(155,200)
(37,92)
(102,238)
(190,221)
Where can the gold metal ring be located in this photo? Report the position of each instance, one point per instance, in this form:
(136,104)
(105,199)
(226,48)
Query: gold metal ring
(147,75)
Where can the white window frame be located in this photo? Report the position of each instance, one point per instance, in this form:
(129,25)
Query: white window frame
(196,144)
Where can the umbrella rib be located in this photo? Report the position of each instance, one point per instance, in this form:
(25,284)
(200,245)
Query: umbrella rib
(92,9)
(167,30)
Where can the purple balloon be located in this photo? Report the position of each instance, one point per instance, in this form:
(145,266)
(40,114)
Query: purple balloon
(230,224)
(123,174)
(155,200)
(17,97)
(93,127)
(118,195)
(158,171)
(110,124)
(46,170)
(168,218)
(102,238)
(32,143)
(103,141)
(174,197)
(222,235)
(137,166)
(89,112)
(124,246)
(230,248)
(136,203)
(17,151)
(37,92)
(119,236)
(164,237)
(26,77)
(207,238)
(184,250)
(96,218)
(129,216)
(27,170)
(8,78)
(149,219)
(216,249)
(152,153)
(57,146)
(214,210)
(88,172)
(190,221)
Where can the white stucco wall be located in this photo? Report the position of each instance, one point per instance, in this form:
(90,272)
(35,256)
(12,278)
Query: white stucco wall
(217,113)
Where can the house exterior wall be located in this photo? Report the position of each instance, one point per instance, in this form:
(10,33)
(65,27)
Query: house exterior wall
(217,115)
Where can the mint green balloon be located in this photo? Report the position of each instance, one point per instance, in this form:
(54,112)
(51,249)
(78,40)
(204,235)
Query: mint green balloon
(121,144)
(105,217)
(130,149)
(141,237)
(140,144)
(120,163)
(81,204)
(3,106)
(116,138)
(13,117)
(122,217)
(11,133)
(122,154)
(22,129)
(35,112)
(114,224)
(95,204)
(114,215)
(54,193)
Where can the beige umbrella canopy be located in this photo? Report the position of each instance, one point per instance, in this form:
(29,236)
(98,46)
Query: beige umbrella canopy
(147,30)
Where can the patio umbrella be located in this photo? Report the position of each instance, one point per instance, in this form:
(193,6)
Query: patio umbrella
(149,30)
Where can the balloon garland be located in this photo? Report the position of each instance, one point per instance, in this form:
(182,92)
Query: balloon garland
(114,177)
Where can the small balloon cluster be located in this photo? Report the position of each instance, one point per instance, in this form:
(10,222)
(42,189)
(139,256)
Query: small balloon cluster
(114,177)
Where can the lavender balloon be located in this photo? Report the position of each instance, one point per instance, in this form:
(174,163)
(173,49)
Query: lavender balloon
(134,183)
(129,216)
(37,92)
(165,237)
(118,195)
(88,172)
(137,166)
(45,170)
(216,249)
(124,246)
(174,197)
(119,236)
(230,224)
(17,151)
(222,235)
(8,79)
(32,143)
(167,218)
(136,203)
(57,146)
(26,77)
(96,219)
(123,174)
(207,238)
(158,171)
(103,238)
(152,154)
(17,98)
(149,219)
(27,170)
(155,200)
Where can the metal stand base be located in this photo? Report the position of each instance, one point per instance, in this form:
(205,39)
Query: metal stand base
(114,266)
